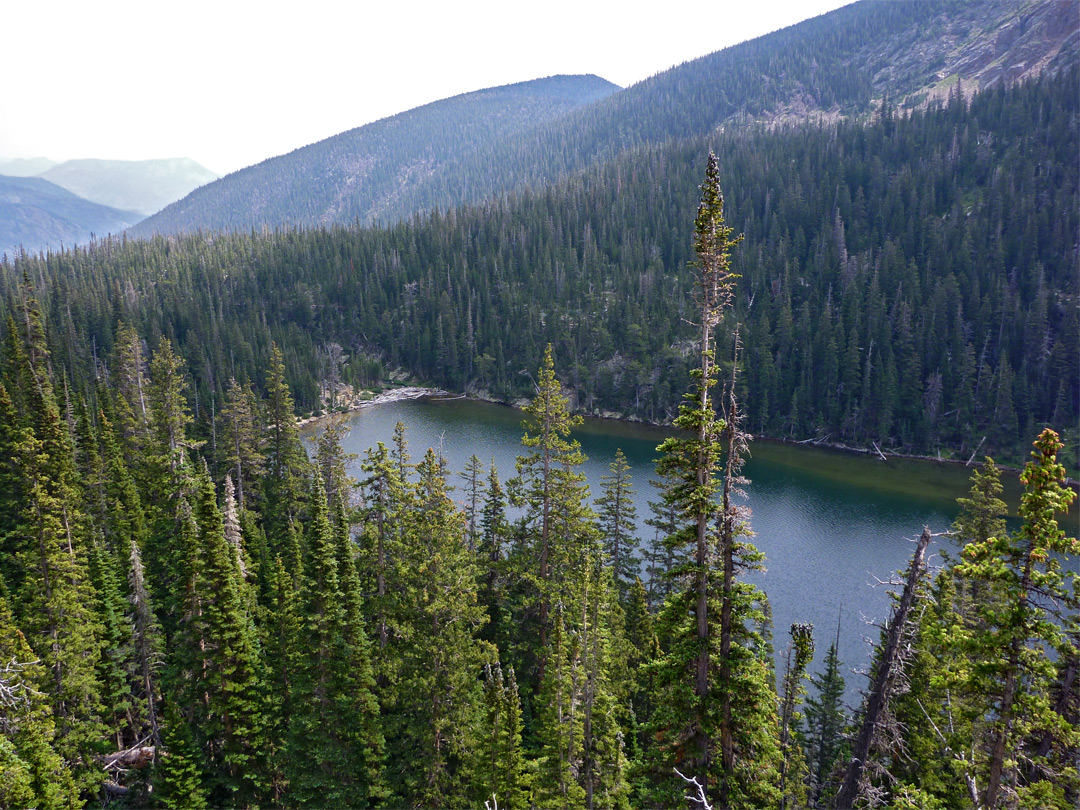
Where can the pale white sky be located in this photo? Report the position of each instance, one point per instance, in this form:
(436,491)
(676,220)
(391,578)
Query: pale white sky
(232,82)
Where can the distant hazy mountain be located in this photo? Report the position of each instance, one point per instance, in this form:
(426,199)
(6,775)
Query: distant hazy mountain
(145,186)
(25,167)
(360,174)
(36,214)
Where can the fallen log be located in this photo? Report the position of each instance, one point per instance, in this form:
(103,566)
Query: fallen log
(113,790)
(976,450)
(138,757)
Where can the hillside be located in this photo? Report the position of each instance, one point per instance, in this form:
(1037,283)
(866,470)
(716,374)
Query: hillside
(145,186)
(908,282)
(843,64)
(360,174)
(36,214)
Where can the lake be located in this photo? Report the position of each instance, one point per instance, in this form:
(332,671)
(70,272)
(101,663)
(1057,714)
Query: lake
(830,523)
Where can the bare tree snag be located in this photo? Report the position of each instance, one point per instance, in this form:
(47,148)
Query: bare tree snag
(877,698)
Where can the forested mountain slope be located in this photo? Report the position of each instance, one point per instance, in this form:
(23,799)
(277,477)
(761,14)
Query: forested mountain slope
(842,64)
(909,282)
(359,175)
(36,214)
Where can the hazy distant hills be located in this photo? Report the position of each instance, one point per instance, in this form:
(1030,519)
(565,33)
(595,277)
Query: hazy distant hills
(25,167)
(36,214)
(463,150)
(145,186)
(362,173)
(44,204)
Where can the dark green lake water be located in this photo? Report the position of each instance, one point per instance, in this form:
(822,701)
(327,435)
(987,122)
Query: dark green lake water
(830,523)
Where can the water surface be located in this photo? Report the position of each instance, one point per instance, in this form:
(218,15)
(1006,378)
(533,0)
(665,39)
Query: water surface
(831,523)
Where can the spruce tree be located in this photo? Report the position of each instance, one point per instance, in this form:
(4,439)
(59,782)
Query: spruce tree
(280,627)
(383,513)
(473,476)
(715,704)
(826,720)
(241,443)
(438,697)
(218,677)
(1015,630)
(333,750)
(132,398)
(616,512)
(799,655)
(178,782)
(560,721)
(550,488)
(492,548)
(56,599)
(285,484)
(32,773)
(499,771)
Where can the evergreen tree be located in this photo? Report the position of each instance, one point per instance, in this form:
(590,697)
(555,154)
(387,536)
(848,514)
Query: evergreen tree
(560,721)
(383,513)
(56,599)
(473,476)
(178,784)
(32,773)
(241,442)
(616,512)
(116,664)
(715,704)
(1010,642)
(217,672)
(438,697)
(332,462)
(500,766)
(132,391)
(547,472)
(334,750)
(286,461)
(799,655)
(492,548)
(169,414)
(826,720)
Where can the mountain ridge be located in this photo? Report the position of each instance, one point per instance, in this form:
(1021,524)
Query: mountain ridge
(317,184)
(846,63)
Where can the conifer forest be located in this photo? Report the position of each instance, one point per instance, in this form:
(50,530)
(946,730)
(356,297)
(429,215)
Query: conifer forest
(197,612)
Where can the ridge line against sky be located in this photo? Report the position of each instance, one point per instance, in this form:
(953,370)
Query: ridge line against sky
(230,84)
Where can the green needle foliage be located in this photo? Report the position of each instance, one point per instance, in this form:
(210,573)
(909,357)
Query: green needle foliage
(616,513)
(334,749)
(716,706)
(1017,625)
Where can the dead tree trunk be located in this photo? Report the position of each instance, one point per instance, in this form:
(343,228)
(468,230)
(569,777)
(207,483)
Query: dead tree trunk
(878,696)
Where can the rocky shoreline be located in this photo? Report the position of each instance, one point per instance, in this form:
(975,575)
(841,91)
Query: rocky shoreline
(383,398)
